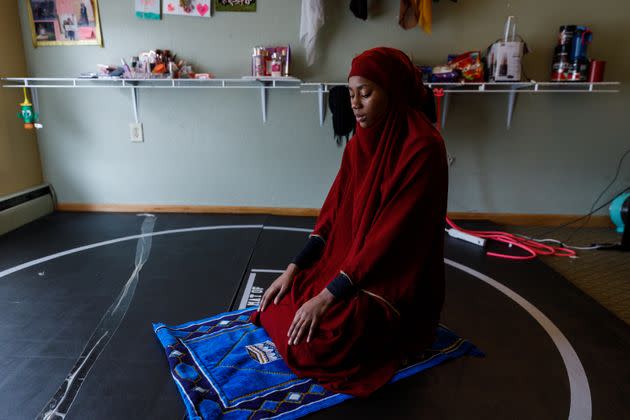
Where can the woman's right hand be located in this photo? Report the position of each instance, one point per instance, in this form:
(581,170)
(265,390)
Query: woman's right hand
(279,287)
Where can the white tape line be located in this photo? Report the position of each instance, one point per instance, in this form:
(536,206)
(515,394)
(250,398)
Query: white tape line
(580,407)
(290,229)
(248,291)
(117,240)
(262,270)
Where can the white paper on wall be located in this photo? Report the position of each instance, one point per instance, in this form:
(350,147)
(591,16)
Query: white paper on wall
(148,9)
(197,8)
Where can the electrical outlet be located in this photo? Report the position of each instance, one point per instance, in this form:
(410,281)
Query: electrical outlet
(135,132)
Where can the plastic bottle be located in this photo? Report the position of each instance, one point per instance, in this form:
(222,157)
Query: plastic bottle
(276,65)
(258,62)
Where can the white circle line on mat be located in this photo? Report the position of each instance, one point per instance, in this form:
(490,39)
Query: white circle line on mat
(580,404)
(580,407)
(122,239)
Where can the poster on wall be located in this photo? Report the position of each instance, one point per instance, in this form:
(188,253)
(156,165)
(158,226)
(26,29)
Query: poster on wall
(198,8)
(64,22)
(235,5)
(148,9)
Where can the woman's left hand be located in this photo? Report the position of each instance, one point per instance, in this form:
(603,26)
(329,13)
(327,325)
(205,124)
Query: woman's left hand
(308,316)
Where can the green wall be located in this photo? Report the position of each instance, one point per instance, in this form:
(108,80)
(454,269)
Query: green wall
(209,147)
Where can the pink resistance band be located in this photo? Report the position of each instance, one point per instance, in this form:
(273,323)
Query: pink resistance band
(533,248)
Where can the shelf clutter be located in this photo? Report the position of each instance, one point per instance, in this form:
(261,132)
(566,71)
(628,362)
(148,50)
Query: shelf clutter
(265,83)
(500,71)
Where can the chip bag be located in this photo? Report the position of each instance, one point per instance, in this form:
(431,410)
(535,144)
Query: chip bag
(470,66)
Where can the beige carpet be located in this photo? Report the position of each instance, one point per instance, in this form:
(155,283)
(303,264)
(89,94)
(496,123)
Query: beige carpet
(604,275)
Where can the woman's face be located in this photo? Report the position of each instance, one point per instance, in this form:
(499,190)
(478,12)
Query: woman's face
(368,100)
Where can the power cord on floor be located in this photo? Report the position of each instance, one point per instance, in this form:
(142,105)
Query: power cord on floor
(533,248)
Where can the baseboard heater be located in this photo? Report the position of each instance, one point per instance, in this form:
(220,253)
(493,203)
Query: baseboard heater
(24,207)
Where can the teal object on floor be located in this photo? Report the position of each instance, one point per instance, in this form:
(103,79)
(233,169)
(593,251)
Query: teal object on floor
(616,211)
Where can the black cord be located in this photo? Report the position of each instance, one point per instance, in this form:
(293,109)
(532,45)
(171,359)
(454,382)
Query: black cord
(586,215)
(600,196)
(614,179)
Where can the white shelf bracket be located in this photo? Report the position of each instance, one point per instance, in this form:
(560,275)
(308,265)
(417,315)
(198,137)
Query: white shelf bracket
(134,103)
(511,104)
(263,102)
(35,99)
(445,102)
(322,106)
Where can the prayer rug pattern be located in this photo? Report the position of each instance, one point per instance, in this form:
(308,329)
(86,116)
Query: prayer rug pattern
(226,367)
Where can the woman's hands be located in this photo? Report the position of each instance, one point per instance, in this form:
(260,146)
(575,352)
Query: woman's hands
(278,288)
(308,316)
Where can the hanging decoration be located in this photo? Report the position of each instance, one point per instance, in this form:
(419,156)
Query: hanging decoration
(148,9)
(196,8)
(311,20)
(27,114)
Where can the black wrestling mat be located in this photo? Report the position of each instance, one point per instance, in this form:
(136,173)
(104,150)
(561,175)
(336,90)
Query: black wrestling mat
(78,293)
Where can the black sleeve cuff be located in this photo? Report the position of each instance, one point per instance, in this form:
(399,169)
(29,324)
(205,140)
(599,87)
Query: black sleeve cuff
(341,287)
(312,252)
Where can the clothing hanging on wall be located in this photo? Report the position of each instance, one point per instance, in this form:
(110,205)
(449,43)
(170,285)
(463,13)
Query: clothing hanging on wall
(359,8)
(409,14)
(415,12)
(311,21)
(426,15)
(343,118)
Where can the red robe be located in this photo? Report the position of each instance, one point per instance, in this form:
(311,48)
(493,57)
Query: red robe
(383,223)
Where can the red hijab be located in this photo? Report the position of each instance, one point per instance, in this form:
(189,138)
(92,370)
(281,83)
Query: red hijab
(392,70)
(391,190)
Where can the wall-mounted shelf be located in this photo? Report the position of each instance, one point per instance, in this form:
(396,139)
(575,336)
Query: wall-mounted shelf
(247,82)
(512,89)
(321,88)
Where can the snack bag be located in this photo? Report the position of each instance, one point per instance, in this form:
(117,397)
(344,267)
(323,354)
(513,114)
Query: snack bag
(470,66)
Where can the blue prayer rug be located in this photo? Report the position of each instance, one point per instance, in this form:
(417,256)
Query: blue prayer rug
(226,367)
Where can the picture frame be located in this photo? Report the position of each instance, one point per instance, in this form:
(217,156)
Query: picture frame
(64,22)
(235,5)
